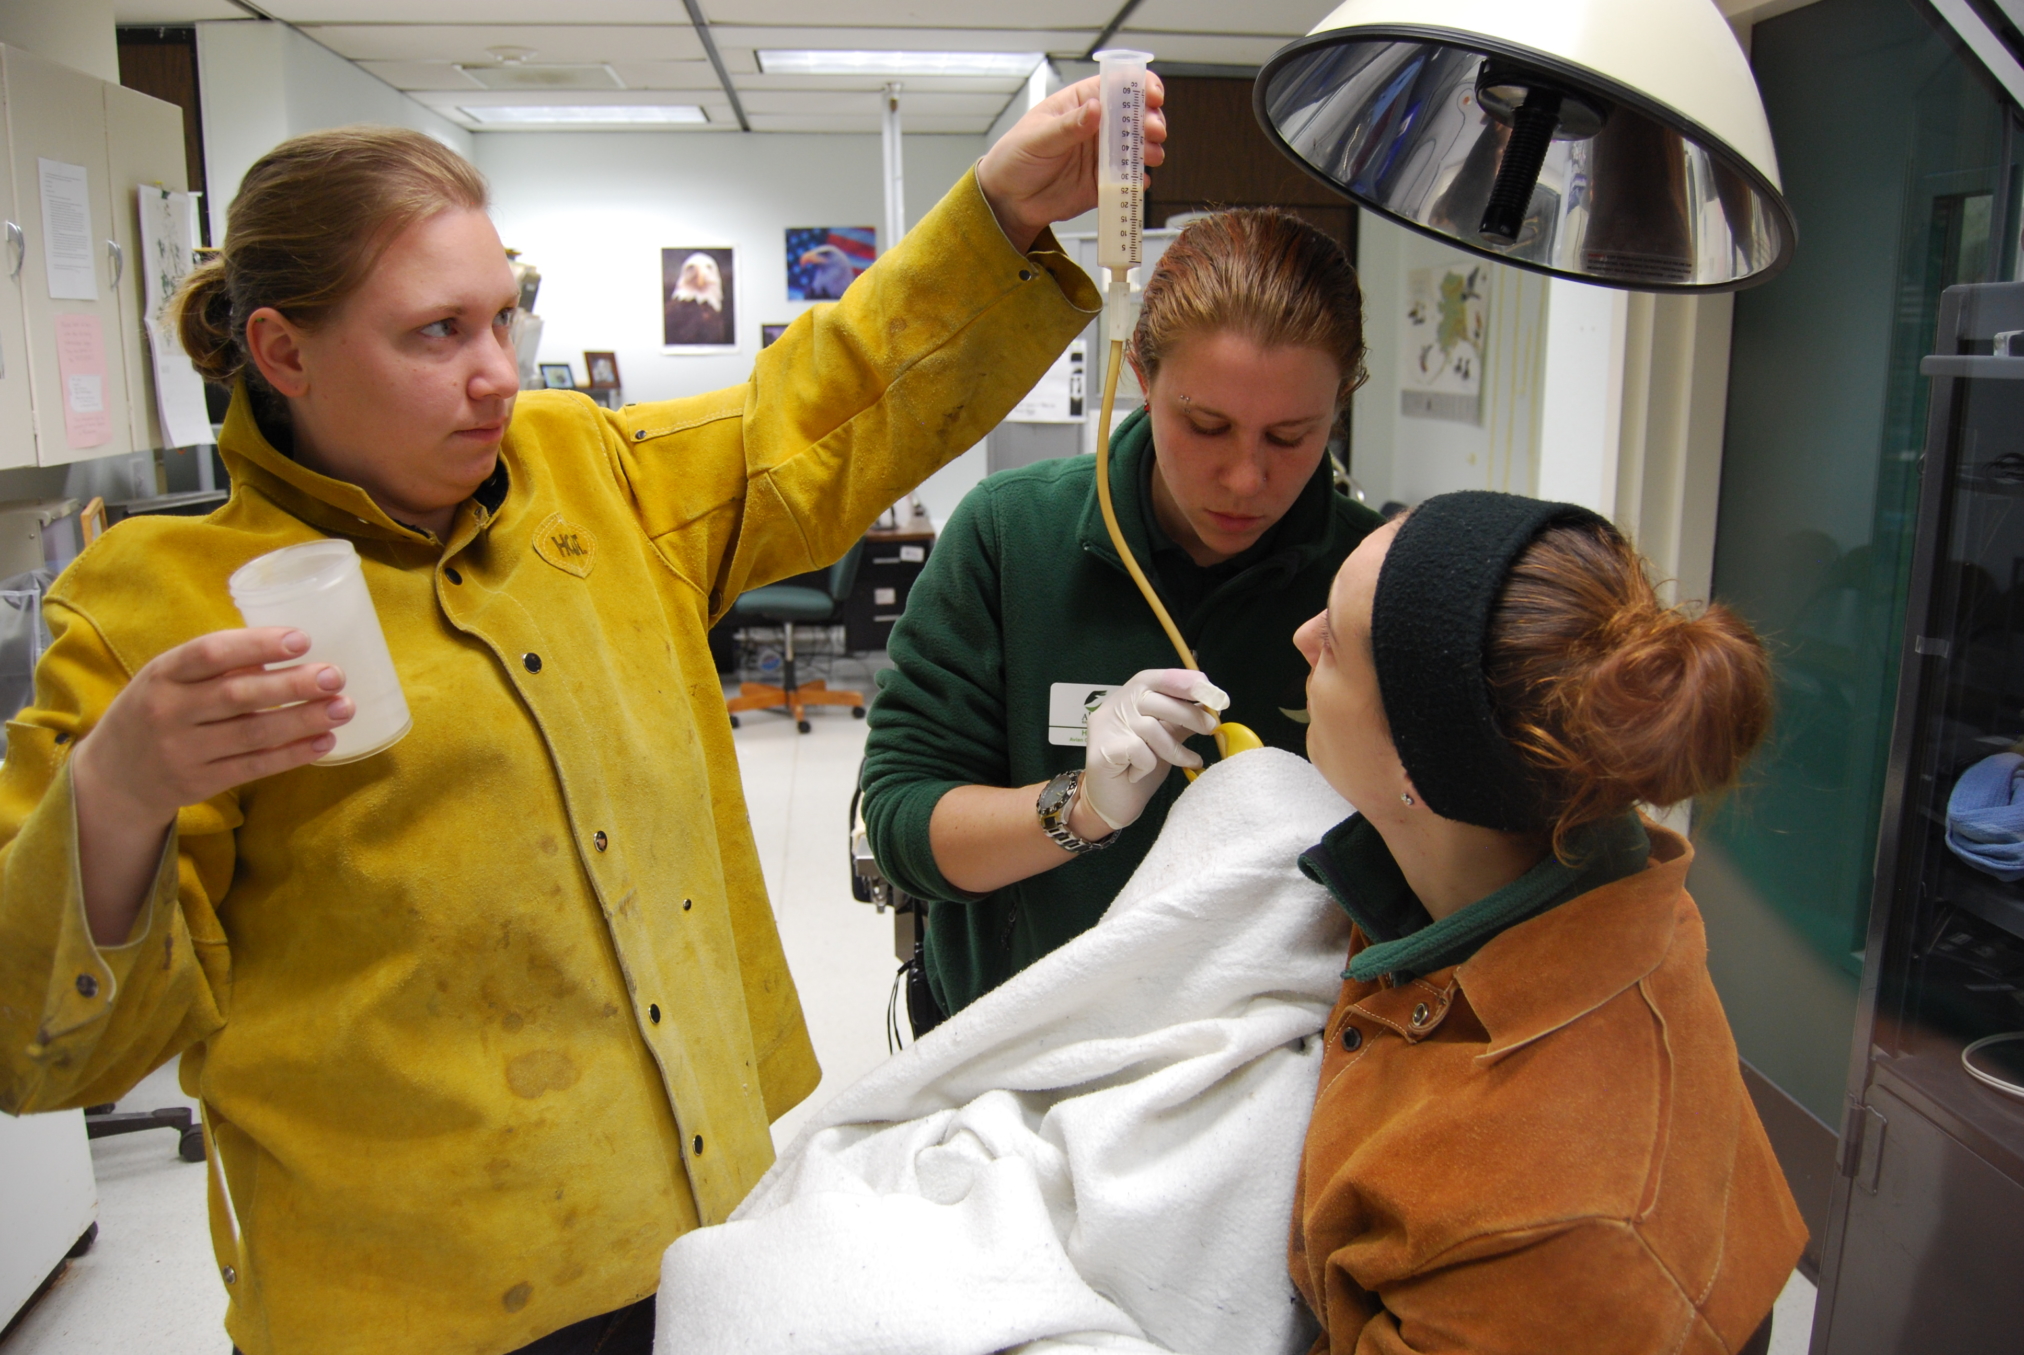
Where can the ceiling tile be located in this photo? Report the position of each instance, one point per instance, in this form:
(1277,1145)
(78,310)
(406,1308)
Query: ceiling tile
(471,11)
(830,123)
(550,42)
(173,12)
(1058,14)
(667,74)
(1206,49)
(1283,18)
(915,84)
(471,98)
(906,40)
(417,75)
(912,107)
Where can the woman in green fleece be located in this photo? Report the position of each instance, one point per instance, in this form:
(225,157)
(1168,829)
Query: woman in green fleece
(1017,765)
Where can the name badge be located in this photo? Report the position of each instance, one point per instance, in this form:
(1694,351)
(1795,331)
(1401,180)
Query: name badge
(1068,708)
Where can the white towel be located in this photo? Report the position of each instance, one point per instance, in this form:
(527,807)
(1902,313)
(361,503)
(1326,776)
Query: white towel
(1098,1156)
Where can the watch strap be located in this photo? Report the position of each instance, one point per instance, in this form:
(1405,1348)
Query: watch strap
(1057,799)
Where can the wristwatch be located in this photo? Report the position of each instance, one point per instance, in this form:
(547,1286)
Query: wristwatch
(1053,805)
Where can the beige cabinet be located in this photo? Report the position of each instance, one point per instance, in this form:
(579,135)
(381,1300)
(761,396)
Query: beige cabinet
(76,382)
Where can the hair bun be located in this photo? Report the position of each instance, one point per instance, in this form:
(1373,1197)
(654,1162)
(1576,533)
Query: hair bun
(1673,708)
(203,310)
(1614,698)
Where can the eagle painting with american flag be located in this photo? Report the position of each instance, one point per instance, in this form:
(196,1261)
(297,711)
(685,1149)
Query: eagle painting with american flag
(823,260)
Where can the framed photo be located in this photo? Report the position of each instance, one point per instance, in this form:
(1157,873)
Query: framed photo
(768,333)
(699,298)
(556,376)
(824,260)
(601,368)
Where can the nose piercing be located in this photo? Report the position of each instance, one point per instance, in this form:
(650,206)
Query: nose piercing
(1407,798)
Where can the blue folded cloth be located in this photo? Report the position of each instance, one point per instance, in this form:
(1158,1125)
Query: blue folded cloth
(1985,816)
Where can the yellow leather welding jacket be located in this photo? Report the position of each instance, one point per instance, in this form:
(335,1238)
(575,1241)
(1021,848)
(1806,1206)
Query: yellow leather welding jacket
(483,1022)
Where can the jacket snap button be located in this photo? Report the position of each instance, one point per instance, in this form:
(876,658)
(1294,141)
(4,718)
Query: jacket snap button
(87,985)
(452,575)
(1352,1039)
(1026,275)
(231,1275)
(598,839)
(654,1012)
(687,904)
(1421,1014)
(699,1145)
(639,434)
(532,661)
(63,737)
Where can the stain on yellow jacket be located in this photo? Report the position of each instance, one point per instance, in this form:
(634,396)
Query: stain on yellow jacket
(480,1024)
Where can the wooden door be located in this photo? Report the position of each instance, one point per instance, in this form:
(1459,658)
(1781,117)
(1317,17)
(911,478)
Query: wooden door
(56,118)
(144,145)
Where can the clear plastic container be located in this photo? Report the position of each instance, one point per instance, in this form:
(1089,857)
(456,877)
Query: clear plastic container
(1121,177)
(319,589)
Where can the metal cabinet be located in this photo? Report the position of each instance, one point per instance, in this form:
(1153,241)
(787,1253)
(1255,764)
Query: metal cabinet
(892,561)
(1926,1223)
(83,355)
(143,146)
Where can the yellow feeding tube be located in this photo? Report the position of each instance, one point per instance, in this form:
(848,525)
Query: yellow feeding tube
(1120,215)
(1231,738)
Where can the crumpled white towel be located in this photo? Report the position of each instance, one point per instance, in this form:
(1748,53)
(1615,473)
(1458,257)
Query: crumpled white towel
(1098,1156)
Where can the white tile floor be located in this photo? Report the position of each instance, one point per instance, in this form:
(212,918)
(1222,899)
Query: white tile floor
(148,1285)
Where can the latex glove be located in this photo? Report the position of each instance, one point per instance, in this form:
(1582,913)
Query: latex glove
(1135,738)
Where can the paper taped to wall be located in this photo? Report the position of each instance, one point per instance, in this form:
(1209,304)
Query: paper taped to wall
(66,231)
(168,239)
(80,370)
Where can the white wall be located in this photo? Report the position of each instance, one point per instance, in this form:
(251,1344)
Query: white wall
(1411,459)
(262,83)
(593,210)
(75,33)
(1582,403)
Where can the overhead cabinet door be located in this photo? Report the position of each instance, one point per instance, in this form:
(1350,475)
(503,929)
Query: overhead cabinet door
(17,418)
(63,194)
(144,145)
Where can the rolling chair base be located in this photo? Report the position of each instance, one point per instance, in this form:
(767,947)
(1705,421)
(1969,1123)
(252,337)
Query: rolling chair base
(793,700)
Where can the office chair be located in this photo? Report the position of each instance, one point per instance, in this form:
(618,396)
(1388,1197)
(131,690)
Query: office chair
(787,605)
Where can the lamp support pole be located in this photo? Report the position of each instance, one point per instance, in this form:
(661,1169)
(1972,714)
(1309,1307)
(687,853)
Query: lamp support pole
(895,174)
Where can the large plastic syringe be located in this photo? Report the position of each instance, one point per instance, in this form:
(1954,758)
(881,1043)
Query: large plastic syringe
(1120,247)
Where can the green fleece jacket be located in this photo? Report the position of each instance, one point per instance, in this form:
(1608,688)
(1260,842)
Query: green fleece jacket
(1023,617)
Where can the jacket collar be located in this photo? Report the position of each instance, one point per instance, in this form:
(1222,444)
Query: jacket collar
(1522,985)
(334,507)
(1353,863)
(1308,531)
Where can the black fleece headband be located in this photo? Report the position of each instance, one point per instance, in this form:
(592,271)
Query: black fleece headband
(1428,623)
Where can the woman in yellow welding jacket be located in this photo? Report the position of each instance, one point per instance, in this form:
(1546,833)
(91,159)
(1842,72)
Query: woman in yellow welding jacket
(1025,624)
(484,1021)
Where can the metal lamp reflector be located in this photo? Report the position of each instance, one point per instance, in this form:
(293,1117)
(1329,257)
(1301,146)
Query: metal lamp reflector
(1616,143)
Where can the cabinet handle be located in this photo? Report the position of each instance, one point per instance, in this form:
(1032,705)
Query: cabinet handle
(17,245)
(118,257)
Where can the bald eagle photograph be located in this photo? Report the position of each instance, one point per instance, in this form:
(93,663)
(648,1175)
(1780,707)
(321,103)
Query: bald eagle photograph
(698,300)
(823,260)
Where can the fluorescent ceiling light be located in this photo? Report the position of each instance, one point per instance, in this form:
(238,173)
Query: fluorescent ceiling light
(584,113)
(1005,65)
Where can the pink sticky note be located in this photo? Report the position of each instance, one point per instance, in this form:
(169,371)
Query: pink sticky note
(80,368)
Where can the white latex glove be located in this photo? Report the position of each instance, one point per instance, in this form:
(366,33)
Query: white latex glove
(1135,738)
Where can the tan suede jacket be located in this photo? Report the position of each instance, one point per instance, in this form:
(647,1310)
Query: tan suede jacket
(481,1023)
(1547,1147)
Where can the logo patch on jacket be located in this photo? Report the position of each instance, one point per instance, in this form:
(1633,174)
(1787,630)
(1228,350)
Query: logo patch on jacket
(565,545)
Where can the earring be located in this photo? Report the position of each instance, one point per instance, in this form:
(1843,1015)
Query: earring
(1407,798)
